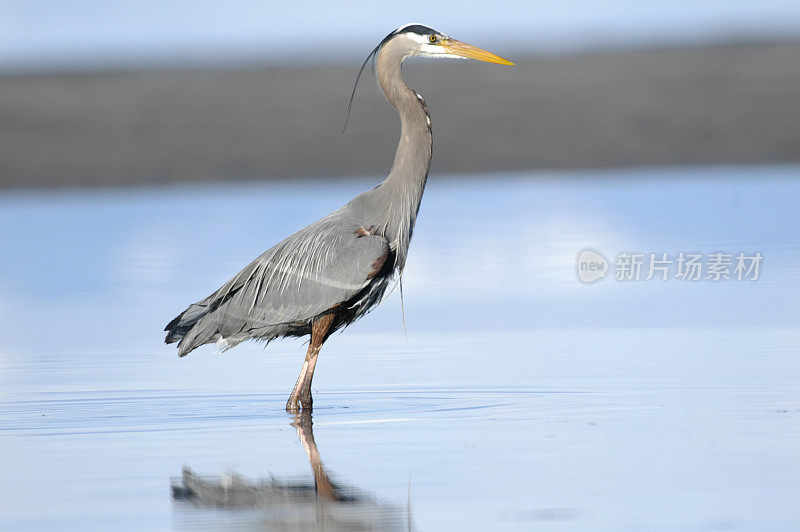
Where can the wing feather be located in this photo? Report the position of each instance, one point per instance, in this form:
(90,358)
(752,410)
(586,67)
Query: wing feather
(310,272)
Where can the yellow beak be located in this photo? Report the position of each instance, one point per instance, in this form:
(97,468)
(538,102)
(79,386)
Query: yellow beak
(473,52)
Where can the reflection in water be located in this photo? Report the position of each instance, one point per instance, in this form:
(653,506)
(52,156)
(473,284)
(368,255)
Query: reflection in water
(274,504)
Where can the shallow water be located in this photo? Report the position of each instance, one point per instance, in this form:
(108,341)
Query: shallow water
(520,398)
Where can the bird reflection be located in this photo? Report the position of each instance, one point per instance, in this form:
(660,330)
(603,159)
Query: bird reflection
(274,504)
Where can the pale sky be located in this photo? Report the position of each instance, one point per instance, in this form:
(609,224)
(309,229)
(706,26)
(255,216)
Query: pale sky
(42,34)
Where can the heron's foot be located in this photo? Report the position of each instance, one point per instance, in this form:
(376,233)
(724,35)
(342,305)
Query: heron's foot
(306,400)
(293,405)
(302,402)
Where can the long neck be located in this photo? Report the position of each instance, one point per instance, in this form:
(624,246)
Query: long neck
(406,180)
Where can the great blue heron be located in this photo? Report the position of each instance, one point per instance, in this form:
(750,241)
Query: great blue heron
(331,273)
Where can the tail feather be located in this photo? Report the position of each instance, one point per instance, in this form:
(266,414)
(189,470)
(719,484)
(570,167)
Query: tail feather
(176,330)
(184,327)
(199,324)
(203,331)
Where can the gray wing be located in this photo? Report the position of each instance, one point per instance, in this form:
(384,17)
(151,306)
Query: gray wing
(310,272)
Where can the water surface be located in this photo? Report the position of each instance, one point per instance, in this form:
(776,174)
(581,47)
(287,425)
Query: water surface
(519,398)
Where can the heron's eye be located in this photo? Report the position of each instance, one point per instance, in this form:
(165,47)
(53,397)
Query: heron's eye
(432,38)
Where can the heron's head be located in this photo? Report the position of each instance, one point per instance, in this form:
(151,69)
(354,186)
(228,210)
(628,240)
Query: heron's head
(418,40)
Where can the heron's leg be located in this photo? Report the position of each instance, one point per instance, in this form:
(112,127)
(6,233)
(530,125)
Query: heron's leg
(302,388)
(319,332)
(292,404)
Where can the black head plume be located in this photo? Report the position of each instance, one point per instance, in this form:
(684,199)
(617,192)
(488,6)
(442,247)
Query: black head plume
(411,28)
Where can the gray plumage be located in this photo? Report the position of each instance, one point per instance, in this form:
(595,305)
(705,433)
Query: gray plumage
(280,292)
(326,263)
(334,271)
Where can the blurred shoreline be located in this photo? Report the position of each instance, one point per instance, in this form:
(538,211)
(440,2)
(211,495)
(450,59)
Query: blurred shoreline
(720,104)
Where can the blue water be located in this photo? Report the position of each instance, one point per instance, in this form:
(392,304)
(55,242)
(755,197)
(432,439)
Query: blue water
(519,397)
